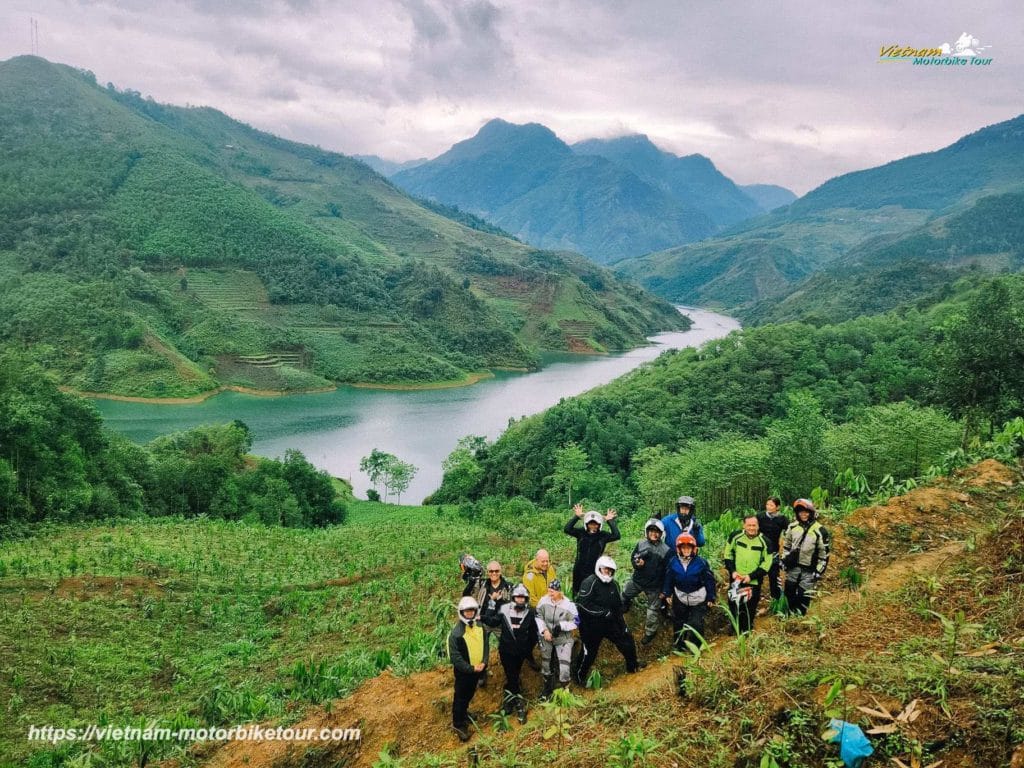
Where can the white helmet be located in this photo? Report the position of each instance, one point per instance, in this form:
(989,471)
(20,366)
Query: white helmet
(466,604)
(655,523)
(593,517)
(605,562)
(520,590)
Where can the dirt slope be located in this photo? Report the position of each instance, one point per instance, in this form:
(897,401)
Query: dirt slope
(916,539)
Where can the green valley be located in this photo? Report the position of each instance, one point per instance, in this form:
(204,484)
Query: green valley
(150,250)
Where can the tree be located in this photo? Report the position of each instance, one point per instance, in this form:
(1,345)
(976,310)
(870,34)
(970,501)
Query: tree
(375,466)
(796,453)
(399,477)
(982,355)
(387,471)
(462,470)
(571,461)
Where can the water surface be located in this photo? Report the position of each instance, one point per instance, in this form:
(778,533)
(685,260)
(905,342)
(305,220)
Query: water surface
(335,429)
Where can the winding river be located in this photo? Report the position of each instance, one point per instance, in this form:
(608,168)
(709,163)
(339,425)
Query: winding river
(335,429)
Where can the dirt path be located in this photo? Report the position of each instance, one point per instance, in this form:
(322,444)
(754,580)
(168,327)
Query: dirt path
(411,715)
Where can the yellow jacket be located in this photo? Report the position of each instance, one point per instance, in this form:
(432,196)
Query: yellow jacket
(536,581)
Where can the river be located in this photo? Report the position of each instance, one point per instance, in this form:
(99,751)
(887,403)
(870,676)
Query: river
(335,429)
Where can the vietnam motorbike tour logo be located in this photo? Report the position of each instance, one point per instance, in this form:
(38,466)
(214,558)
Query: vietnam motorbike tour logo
(966,51)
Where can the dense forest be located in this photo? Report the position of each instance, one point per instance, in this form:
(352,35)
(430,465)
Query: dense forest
(781,408)
(58,463)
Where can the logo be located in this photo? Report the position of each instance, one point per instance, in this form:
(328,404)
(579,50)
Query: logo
(966,51)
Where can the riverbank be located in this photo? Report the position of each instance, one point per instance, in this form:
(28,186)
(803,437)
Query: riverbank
(200,398)
(469,380)
(419,425)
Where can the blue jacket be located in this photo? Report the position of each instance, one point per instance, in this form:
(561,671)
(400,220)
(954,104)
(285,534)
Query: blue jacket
(697,575)
(673,529)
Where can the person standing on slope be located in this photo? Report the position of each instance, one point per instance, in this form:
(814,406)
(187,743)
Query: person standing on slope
(650,558)
(468,651)
(557,619)
(538,576)
(590,541)
(772,524)
(689,590)
(684,520)
(600,605)
(473,575)
(805,550)
(747,562)
(517,623)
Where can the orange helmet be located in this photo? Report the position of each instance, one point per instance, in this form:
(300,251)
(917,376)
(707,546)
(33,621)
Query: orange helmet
(685,538)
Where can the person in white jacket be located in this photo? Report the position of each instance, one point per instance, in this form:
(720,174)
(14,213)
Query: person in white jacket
(557,619)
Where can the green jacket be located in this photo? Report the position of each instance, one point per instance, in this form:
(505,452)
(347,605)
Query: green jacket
(747,556)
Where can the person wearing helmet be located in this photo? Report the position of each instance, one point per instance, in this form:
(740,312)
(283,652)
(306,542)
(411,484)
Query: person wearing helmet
(689,590)
(468,651)
(517,623)
(747,562)
(557,619)
(650,558)
(600,604)
(772,524)
(805,550)
(590,541)
(473,575)
(683,520)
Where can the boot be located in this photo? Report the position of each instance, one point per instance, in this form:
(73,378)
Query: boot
(549,687)
(508,703)
(521,710)
(647,639)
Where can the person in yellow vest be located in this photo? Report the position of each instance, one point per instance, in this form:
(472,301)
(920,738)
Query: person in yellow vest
(538,575)
(747,561)
(468,651)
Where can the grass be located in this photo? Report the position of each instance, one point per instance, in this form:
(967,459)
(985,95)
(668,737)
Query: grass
(216,623)
(222,622)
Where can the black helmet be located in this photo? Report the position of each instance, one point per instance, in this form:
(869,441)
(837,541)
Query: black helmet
(470,567)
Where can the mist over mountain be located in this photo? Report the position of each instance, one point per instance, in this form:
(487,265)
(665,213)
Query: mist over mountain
(768,196)
(388,167)
(894,212)
(529,182)
(693,179)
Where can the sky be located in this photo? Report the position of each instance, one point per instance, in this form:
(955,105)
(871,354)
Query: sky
(783,92)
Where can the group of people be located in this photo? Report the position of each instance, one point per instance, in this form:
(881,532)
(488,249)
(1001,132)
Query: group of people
(790,555)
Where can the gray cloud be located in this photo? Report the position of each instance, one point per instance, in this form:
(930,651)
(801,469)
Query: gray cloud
(787,92)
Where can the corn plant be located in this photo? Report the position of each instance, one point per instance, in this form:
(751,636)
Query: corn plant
(633,749)
(561,701)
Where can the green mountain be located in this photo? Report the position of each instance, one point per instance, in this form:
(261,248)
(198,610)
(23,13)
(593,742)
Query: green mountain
(917,267)
(388,167)
(529,182)
(768,196)
(154,250)
(692,180)
(764,258)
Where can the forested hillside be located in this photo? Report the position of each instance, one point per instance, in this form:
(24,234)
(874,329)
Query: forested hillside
(779,408)
(766,257)
(59,464)
(196,251)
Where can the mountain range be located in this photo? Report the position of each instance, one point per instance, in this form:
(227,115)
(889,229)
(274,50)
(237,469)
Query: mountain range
(606,199)
(941,211)
(154,250)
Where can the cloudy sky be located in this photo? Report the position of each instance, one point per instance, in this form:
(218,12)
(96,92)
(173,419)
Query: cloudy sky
(788,91)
